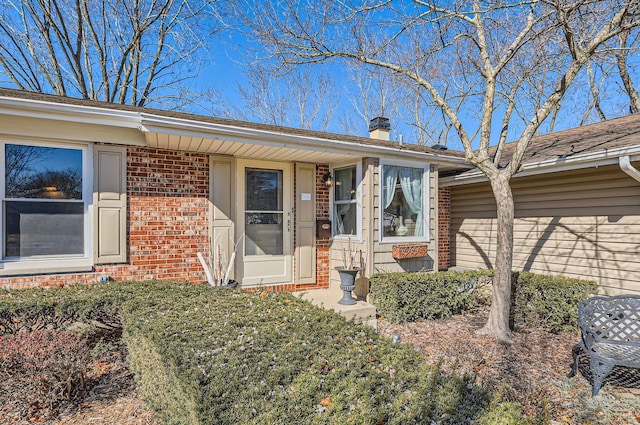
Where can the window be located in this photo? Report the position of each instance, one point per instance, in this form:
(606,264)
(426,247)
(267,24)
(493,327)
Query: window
(44,204)
(404,200)
(345,201)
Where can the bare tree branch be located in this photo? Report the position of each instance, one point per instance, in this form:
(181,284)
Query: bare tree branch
(125,51)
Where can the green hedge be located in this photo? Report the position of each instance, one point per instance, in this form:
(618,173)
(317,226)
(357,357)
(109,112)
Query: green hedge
(204,355)
(410,297)
(549,302)
(231,357)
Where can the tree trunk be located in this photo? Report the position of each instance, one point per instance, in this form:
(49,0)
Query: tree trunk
(498,322)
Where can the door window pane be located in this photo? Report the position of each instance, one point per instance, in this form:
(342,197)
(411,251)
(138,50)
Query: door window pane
(264,234)
(263,190)
(43,228)
(42,172)
(264,217)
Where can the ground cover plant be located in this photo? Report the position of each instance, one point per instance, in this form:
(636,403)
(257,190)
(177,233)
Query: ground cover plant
(208,355)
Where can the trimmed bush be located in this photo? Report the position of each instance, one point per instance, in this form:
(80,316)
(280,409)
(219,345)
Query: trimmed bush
(550,302)
(41,369)
(204,355)
(409,297)
(231,357)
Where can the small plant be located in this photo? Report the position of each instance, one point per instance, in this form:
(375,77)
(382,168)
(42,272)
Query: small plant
(216,266)
(41,370)
(349,257)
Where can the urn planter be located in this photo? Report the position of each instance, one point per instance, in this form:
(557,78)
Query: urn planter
(347,283)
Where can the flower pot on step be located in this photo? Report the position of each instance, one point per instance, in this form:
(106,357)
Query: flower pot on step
(347,283)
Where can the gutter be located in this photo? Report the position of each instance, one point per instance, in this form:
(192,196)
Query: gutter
(594,159)
(66,112)
(625,165)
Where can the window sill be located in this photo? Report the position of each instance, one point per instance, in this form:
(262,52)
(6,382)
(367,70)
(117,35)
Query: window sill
(36,267)
(404,240)
(345,238)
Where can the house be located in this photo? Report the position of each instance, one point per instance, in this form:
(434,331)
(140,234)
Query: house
(577,208)
(96,191)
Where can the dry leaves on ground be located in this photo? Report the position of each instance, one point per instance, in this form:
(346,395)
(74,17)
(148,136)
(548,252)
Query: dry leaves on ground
(532,370)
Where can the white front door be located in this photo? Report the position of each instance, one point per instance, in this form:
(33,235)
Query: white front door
(265,221)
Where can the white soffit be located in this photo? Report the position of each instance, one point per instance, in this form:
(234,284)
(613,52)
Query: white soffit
(174,133)
(244,149)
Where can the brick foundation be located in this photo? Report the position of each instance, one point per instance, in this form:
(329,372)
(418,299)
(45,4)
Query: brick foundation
(444,228)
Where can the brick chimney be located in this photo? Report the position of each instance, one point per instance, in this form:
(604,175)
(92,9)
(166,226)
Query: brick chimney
(379,128)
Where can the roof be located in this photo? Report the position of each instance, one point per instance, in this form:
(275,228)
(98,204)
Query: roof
(39,97)
(591,145)
(599,137)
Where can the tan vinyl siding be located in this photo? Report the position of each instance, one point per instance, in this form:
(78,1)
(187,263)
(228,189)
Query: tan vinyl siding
(583,223)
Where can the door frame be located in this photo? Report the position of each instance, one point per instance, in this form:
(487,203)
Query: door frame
(244,274)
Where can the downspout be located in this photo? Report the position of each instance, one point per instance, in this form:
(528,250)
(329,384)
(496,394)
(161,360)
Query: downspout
(625,165)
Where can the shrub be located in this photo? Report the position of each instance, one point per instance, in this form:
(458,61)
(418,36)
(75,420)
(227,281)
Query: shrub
(550,302)
(407,297)
(204,355)
(41,369)
(208,356)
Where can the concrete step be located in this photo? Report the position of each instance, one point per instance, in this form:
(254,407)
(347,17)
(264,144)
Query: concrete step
(361,312)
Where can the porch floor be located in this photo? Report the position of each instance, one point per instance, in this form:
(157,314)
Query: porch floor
(327,298)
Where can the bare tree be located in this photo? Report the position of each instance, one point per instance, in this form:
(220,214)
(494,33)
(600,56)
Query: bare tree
(622,61)
(121,51)
(371,93)
(467,56)
(299,98)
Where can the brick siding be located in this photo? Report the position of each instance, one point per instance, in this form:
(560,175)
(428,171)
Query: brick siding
(168,224)
(322,212)
(444,227)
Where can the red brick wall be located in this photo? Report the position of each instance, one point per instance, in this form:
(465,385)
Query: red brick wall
(322,212)
(167,223)
(444,227)
(168,213)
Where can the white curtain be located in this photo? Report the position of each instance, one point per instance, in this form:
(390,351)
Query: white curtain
(391,173)
(411,182)
(341,209)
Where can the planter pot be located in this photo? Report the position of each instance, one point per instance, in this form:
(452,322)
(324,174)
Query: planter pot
(409,250)
(232,284)
(347,284)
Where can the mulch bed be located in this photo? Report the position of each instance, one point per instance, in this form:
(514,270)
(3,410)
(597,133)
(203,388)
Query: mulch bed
(532,371)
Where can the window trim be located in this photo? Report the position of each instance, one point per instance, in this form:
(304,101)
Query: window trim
(55,263)
(425,166)
(358,199)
